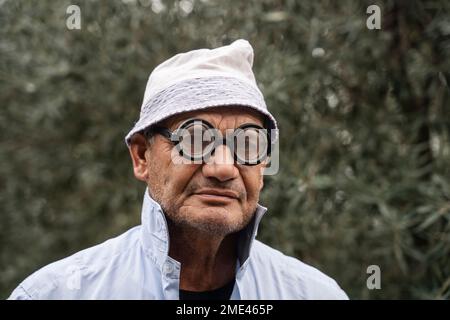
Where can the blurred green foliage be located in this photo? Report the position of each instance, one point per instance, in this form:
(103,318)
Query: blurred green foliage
(364,121)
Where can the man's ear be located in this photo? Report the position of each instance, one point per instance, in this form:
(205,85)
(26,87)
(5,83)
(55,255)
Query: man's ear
(138,148)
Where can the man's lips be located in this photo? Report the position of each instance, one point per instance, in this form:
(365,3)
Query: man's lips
(217,194)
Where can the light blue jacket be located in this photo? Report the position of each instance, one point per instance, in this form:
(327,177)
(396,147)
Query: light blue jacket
(136,265)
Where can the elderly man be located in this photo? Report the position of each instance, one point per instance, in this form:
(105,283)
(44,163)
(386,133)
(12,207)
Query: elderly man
(201,145)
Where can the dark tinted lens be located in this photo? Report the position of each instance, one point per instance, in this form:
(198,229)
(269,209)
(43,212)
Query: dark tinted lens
(251,145)
(196,139)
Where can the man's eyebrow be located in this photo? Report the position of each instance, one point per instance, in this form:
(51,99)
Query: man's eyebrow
(252,123)
(174,124)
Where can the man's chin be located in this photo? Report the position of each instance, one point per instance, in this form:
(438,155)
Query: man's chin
(214,229)
(214,220)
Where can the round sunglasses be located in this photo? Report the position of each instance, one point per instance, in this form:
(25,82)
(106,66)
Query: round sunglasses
(197,139)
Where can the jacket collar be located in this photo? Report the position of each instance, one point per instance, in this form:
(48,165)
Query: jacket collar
(155,233)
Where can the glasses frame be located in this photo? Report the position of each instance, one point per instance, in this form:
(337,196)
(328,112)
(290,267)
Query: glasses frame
(229,140)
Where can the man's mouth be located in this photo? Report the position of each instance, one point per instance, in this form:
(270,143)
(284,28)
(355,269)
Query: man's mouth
(217,195)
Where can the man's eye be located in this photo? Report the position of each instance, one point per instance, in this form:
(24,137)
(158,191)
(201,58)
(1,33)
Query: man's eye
(197,136)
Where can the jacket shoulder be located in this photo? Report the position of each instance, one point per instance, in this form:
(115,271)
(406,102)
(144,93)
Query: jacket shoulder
(75,277)
(298,279)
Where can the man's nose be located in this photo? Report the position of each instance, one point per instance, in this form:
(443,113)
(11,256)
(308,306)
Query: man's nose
(220,165)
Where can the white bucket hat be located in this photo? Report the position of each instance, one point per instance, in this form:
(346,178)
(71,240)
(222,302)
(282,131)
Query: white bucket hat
(202,79)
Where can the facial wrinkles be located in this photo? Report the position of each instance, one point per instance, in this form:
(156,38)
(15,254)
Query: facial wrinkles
(222,122)
(226,120)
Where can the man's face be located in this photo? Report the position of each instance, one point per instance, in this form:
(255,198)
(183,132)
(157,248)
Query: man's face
(217,197)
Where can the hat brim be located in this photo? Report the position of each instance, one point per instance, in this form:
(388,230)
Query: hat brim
(201,93)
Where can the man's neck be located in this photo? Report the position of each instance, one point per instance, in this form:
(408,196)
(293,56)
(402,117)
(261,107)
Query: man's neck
(207,261)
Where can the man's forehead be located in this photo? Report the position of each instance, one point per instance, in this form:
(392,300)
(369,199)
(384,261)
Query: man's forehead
(220,117)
